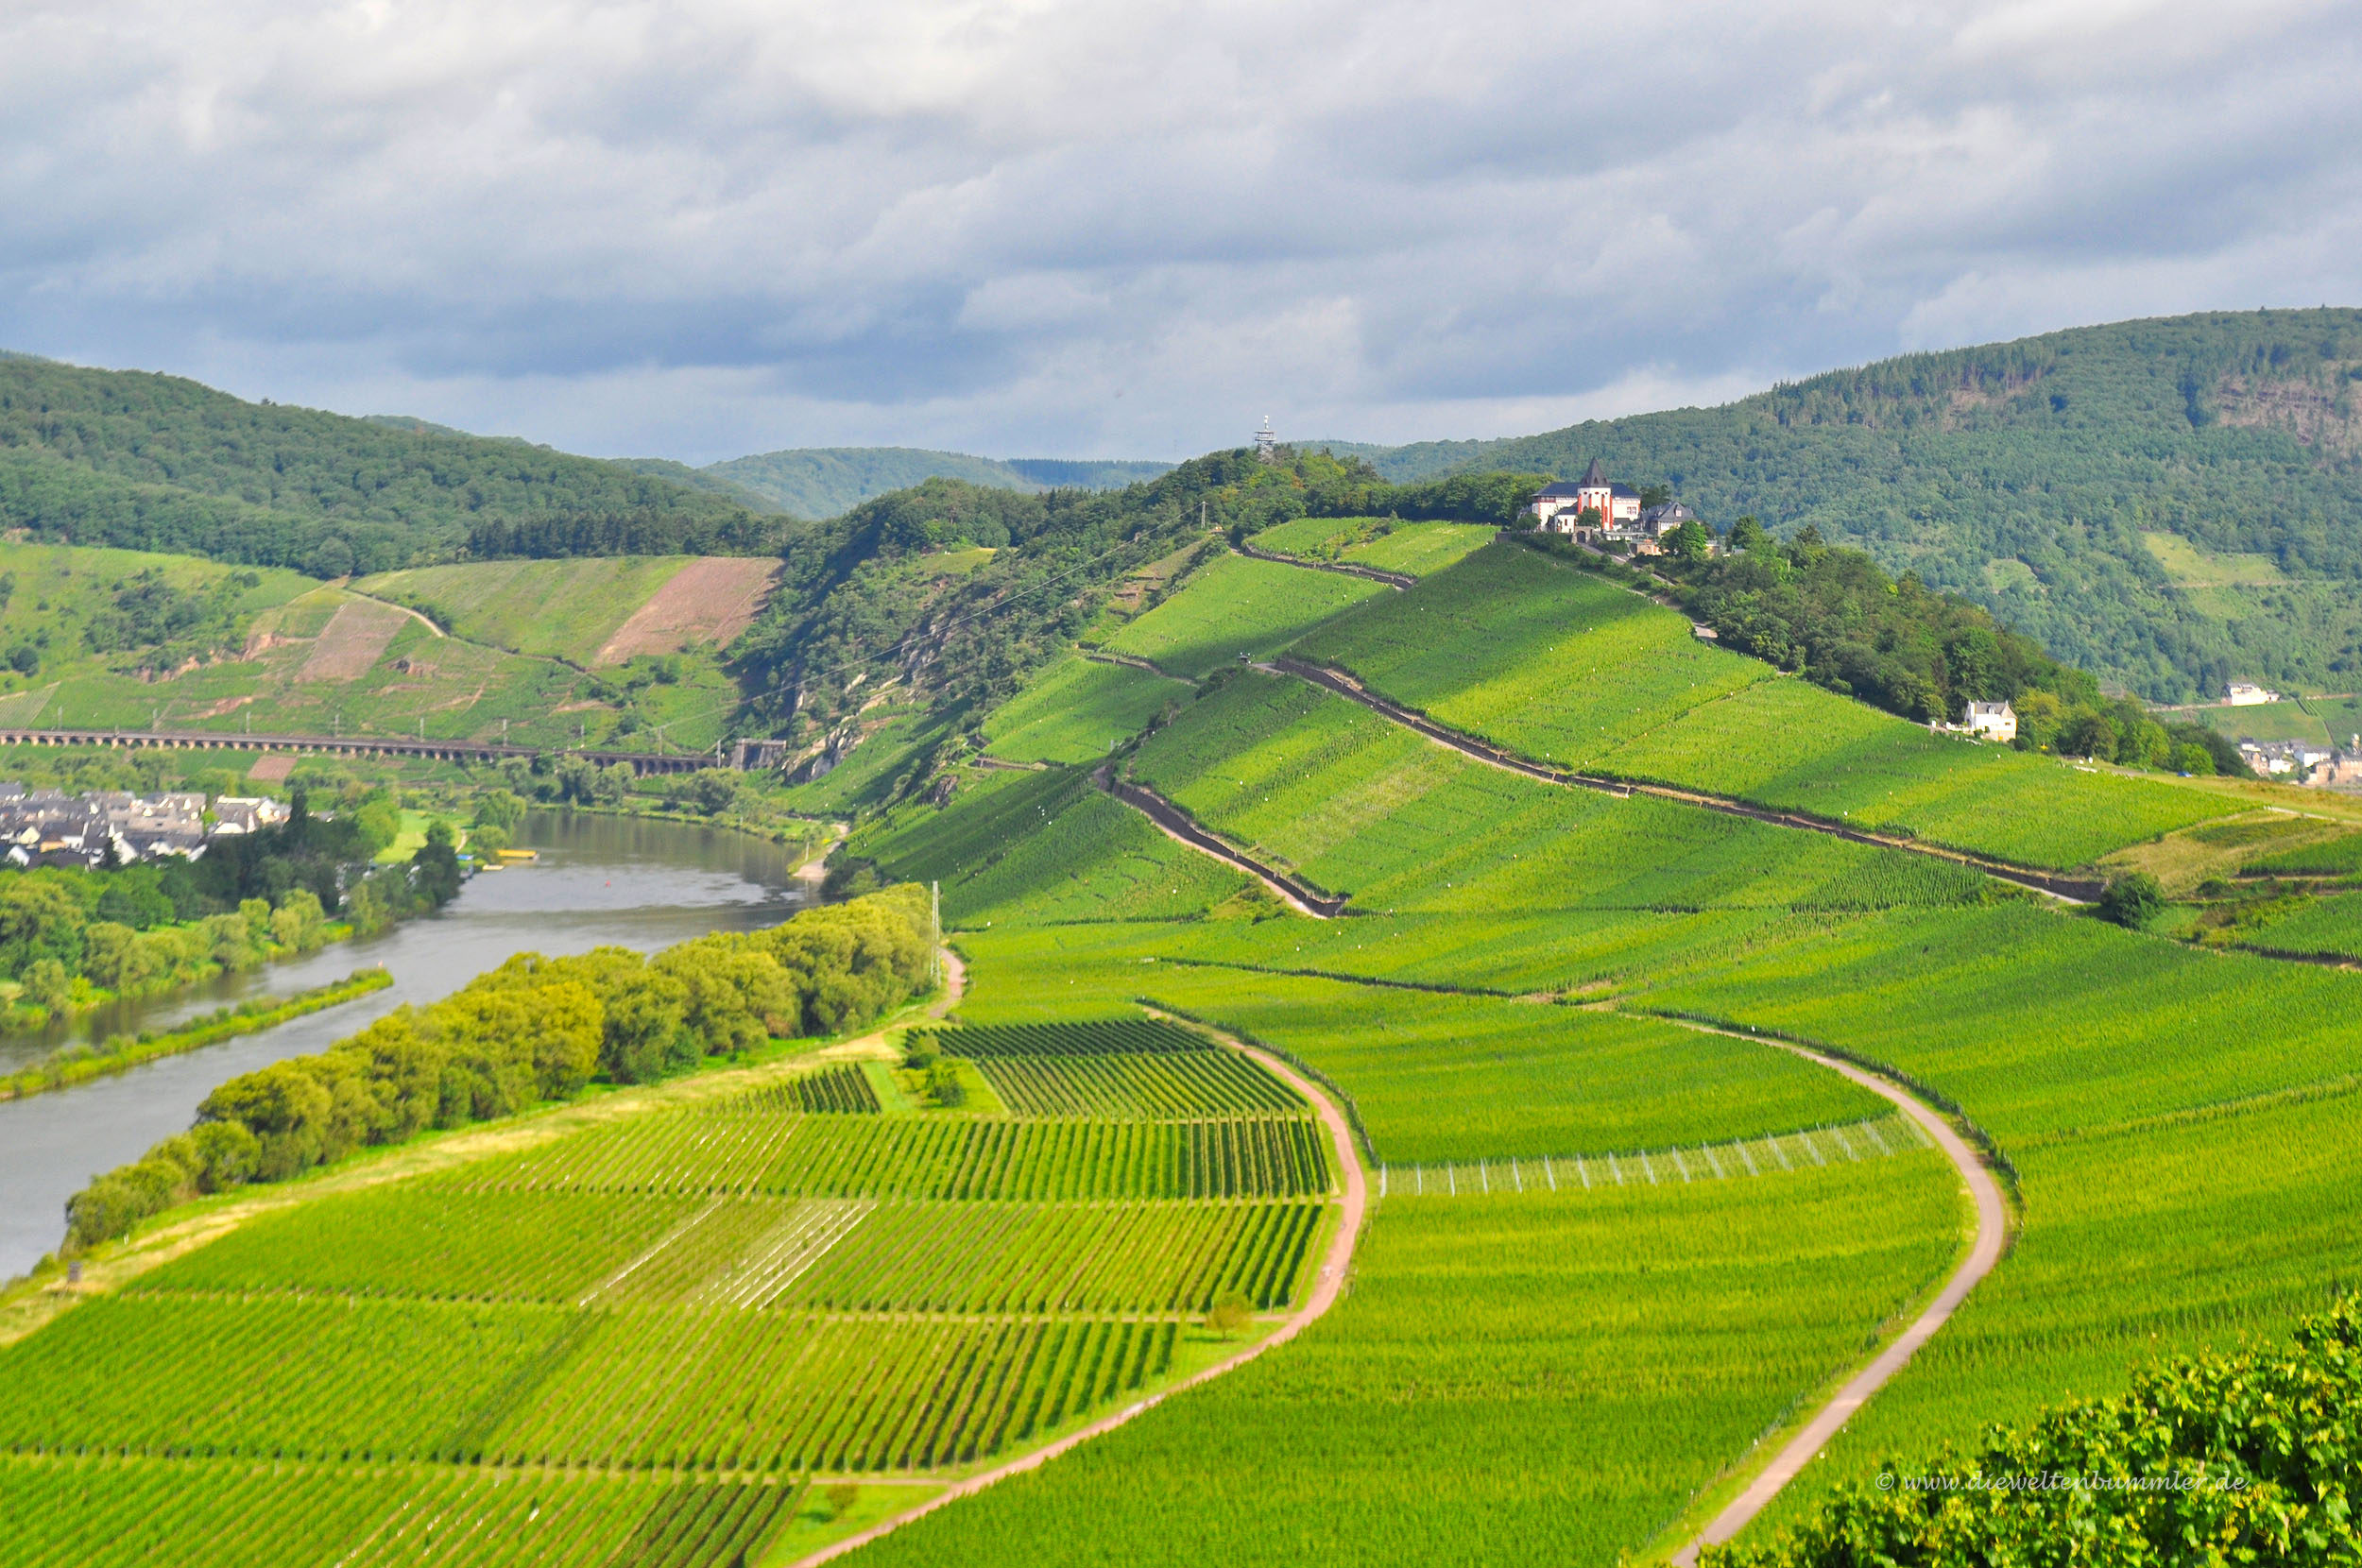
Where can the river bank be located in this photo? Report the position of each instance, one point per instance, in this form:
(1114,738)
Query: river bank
(632,883)
(72,1064)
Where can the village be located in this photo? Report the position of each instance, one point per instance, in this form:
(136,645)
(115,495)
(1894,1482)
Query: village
(51,827)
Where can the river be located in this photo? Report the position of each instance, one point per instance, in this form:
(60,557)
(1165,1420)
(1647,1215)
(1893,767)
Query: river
(599,880)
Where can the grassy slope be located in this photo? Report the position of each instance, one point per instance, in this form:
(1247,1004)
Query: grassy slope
(1233,605)
(1558,666)
(1358,804)
(460,688)
(1073,707)
(556,609)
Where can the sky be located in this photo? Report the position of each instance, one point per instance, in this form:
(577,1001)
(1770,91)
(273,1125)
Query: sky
(1138,228)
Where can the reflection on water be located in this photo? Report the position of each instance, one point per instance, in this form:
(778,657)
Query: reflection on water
(600,880)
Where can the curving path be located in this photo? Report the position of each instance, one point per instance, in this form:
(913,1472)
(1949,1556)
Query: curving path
(1992,1225)
(1182,828)
(1395,580)
(1327,1286)
(2068,890)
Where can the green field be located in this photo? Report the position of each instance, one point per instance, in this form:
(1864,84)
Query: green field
(1518,1378)
(2327,926)
(1390,545)
(557,609)
(1565,668)
(734,1286)
(1358,805)
(1234,605)
(1075,708)
(1046,846)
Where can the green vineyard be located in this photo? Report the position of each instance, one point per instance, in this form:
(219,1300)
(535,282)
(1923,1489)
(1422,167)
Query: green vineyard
(1124,1070)
(842,1088)
(378,1517)
(904,1157)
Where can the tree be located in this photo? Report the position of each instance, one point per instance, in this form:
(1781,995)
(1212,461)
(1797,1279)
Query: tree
(2133,900)
(435,866)
(2193,759)
(1747,534)
(1689,542)
(840,1497)
(500,807)
(1230,1313)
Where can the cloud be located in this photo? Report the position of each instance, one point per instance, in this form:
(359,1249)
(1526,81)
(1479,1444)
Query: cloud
(699,227)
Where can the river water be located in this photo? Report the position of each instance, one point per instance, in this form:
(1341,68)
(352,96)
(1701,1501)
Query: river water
(599,880)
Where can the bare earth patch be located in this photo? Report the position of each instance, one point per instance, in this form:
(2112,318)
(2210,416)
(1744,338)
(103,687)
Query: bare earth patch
(707,601)
(270,770)
(353,641)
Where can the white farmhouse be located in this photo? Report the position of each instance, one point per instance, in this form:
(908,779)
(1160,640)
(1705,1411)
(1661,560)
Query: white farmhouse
(2240,695)
(1992,722)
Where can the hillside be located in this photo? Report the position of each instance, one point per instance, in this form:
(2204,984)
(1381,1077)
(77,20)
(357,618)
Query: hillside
(150,462)
(535,651)
(826,482)
(1517,1139)
(2170,503)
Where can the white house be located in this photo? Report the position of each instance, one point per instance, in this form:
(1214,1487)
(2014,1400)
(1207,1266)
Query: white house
(1556,507)
(2240,695)
(1991,722)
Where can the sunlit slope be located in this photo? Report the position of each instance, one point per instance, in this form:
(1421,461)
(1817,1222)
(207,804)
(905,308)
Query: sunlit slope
(1559,666)
(1359,805)
(1538,1370)
(1235,605)
(1075,708)
(1045,847)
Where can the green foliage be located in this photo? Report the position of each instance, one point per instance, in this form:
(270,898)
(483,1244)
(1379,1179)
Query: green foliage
(1835,616)
(151,462)
(537,1030)
(826,482)
(2133,900)
(2027,476)
(2254,1454)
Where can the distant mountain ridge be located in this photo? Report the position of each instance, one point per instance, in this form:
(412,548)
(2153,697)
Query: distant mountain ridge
(826,482)
(2056,481)
(153,462)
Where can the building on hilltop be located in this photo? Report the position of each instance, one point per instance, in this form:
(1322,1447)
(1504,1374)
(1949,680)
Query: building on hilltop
(1991,721)
(1612,510)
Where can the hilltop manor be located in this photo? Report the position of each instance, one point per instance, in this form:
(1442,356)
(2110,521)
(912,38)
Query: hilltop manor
(1597,511)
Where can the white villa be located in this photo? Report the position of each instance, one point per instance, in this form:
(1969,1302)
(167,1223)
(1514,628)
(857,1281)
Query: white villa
(2240,695)
(1991,722)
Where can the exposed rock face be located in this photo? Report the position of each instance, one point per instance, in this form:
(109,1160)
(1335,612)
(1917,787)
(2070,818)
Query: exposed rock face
(2322,410)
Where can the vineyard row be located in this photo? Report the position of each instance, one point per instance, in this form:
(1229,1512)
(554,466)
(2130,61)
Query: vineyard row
(68,1514)
(1820,1146)
(1170,1086)
(913,1157)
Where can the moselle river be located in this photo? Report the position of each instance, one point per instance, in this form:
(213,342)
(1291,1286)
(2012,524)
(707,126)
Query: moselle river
(599,880)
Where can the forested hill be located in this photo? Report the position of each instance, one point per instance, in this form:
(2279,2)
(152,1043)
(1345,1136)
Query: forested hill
(826,482)
(151,462)
(2086,485)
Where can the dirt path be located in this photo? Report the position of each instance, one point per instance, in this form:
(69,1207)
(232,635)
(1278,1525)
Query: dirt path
(1327,1286)
(1177,826)
(1395,580)
(2068,890)
(1992,1226)
(954,984)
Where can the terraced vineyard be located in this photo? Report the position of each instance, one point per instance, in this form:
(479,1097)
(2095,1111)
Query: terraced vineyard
(1235,605)
(767,1283)
(1558,666)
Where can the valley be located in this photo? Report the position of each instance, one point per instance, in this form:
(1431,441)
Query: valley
(1329,1020)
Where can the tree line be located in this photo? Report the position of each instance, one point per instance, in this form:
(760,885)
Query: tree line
(533,1030)
(150,462)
